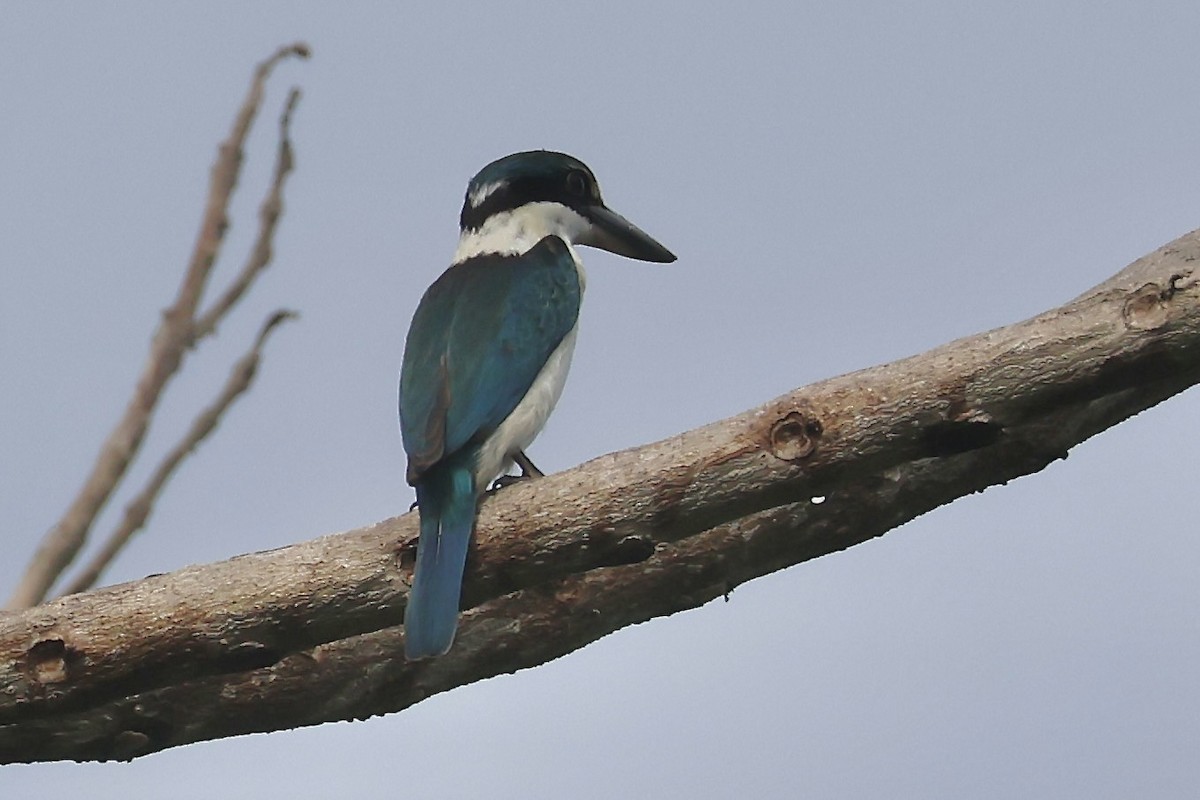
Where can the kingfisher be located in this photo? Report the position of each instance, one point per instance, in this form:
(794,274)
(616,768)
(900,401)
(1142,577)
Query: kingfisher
(487,355)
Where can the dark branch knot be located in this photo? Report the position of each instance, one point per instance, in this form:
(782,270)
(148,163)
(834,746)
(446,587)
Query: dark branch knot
(48,662)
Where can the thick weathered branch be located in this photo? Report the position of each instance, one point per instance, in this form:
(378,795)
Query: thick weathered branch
(301,635)
(175,334)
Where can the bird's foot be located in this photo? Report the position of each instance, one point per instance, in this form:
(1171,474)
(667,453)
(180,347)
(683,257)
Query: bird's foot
(507,480)
(528,470)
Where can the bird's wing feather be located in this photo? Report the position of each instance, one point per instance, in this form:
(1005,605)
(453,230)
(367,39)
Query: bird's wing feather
(479,337)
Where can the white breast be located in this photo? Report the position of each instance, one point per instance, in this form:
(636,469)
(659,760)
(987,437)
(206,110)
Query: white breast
(526,421)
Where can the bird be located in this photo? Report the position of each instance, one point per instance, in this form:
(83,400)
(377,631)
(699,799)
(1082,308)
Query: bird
(487,354)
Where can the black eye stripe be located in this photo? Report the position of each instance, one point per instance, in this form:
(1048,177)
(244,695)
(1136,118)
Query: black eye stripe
(573,187)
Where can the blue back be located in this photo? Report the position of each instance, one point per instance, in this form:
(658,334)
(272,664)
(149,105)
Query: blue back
(479,337)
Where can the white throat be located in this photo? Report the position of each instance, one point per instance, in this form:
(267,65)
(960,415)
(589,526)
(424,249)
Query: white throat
(514,232)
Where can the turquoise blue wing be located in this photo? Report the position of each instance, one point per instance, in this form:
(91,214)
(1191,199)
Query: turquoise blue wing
(479,337)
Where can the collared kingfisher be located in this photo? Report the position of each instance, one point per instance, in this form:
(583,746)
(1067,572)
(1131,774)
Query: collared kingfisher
(487,354)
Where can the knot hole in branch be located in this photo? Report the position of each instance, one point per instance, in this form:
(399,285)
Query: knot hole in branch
(49,661)
(794,436)
(1146,308)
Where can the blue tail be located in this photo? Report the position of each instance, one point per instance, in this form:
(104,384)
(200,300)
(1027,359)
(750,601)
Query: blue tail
(446,499)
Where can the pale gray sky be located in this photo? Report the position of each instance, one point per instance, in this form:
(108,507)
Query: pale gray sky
(844,184)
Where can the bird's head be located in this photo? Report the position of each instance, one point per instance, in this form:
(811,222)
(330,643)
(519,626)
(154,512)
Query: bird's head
(517,200)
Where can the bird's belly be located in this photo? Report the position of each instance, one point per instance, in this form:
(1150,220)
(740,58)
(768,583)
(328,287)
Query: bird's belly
(522,426)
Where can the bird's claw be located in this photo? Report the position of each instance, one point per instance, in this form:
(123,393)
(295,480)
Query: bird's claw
(507,480)
(528,470)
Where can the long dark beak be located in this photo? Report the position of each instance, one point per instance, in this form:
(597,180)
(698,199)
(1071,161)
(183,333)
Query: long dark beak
(612,232)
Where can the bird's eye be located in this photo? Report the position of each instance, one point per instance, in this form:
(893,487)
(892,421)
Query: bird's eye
(577,183)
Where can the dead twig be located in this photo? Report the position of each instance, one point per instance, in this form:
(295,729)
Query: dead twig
(138,510)
(268,215)
(175,334)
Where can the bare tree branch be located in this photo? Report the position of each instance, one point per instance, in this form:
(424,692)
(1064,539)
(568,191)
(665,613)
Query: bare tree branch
(268,214)
(307,634)
(241,376)
(174,335)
